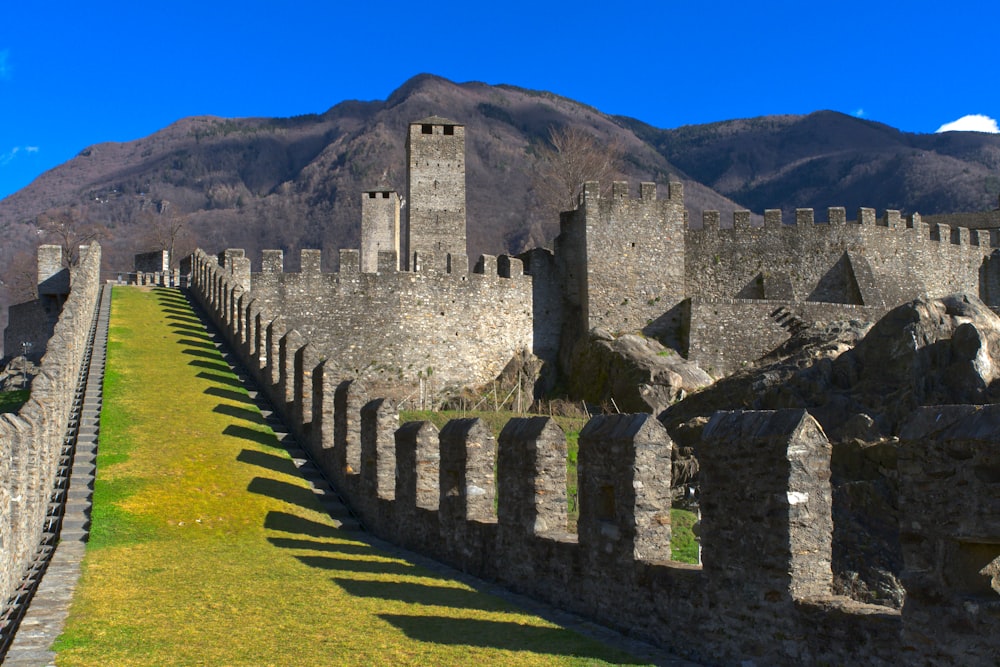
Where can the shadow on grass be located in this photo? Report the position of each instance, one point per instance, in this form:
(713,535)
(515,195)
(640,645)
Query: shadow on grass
(260,437)
(412,593)
(205,354)
(224,393)
(267,461)
(218,365)
(194,329)
(168,293)
(196,343)
(284,491)
(361,566)
(172,309)
(246,414)
(312,545)
(503,635)
(290,523)
(187,318)
(221,379)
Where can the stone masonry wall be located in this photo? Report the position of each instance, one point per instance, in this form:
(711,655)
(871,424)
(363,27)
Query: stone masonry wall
(622,259)
(32,439)
(30,322)
(726,334)
(766,484)
(949,464)
(392,327)
(435,190)
(379,227)
(805,261)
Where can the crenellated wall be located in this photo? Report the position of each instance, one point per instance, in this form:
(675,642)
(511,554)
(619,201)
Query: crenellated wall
(395,327)
(31,440)
(622,259)
(709,287)
(869,261)
(763,594)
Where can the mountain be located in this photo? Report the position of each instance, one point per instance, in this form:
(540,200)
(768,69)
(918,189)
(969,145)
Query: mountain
(831,159)
(294,183)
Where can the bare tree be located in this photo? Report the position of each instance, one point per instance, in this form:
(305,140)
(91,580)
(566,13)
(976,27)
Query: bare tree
(70,228)
(572,157)
(167,230)
(20,277)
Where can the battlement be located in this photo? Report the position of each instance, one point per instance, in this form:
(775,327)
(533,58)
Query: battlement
(504,266)
(433,492)
(33,439)
(391,326)
(836,217)
(591,192)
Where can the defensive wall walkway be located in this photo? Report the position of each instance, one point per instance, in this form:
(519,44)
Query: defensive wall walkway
(253,426)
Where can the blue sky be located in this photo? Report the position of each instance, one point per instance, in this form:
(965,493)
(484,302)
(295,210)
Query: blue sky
(74,74)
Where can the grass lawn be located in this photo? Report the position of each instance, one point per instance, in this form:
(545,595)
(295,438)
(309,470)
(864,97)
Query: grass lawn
(11,401)
(208,549)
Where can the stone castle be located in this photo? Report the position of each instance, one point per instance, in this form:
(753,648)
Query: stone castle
(404,310)
(326,346)
(405,306)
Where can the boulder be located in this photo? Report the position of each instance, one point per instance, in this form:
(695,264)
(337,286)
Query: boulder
(632,373)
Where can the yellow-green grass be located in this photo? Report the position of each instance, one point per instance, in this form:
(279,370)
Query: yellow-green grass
(208,549)
(683,544)
(11,401)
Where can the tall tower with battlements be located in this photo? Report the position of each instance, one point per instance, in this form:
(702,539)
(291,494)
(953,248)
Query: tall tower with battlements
(435,193)
(379,228)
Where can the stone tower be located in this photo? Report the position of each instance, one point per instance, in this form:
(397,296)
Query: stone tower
(379,227)
(435,197)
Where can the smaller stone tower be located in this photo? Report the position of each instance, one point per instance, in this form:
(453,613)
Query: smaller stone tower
(435,197)
(379,227)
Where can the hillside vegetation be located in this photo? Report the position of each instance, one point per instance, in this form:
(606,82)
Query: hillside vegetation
(293,183)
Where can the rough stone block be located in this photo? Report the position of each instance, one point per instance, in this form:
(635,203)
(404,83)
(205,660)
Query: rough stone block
(624,485)
(766,505)
(531,477)
(468,453)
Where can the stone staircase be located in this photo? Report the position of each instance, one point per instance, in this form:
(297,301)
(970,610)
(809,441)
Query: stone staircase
(788,320)
(39,614)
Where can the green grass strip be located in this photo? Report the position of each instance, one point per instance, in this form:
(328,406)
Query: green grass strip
(208,549)
(11,401)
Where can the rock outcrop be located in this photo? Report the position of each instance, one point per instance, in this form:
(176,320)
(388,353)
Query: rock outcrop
(632,373)
(861,383)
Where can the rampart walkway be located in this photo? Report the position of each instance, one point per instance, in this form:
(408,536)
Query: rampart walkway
(215,541)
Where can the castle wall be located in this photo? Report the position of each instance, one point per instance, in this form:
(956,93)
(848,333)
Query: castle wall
(392,328)
(950,533)
(157,261)
(547,306)
(727,334)
(31,440)
(766,483)
(872,262)
(622,259)
(53,276)
(30,322)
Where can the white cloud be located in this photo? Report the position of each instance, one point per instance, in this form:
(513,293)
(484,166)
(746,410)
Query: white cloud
(860,113)
(5,67)
(971,123)
(5,158)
